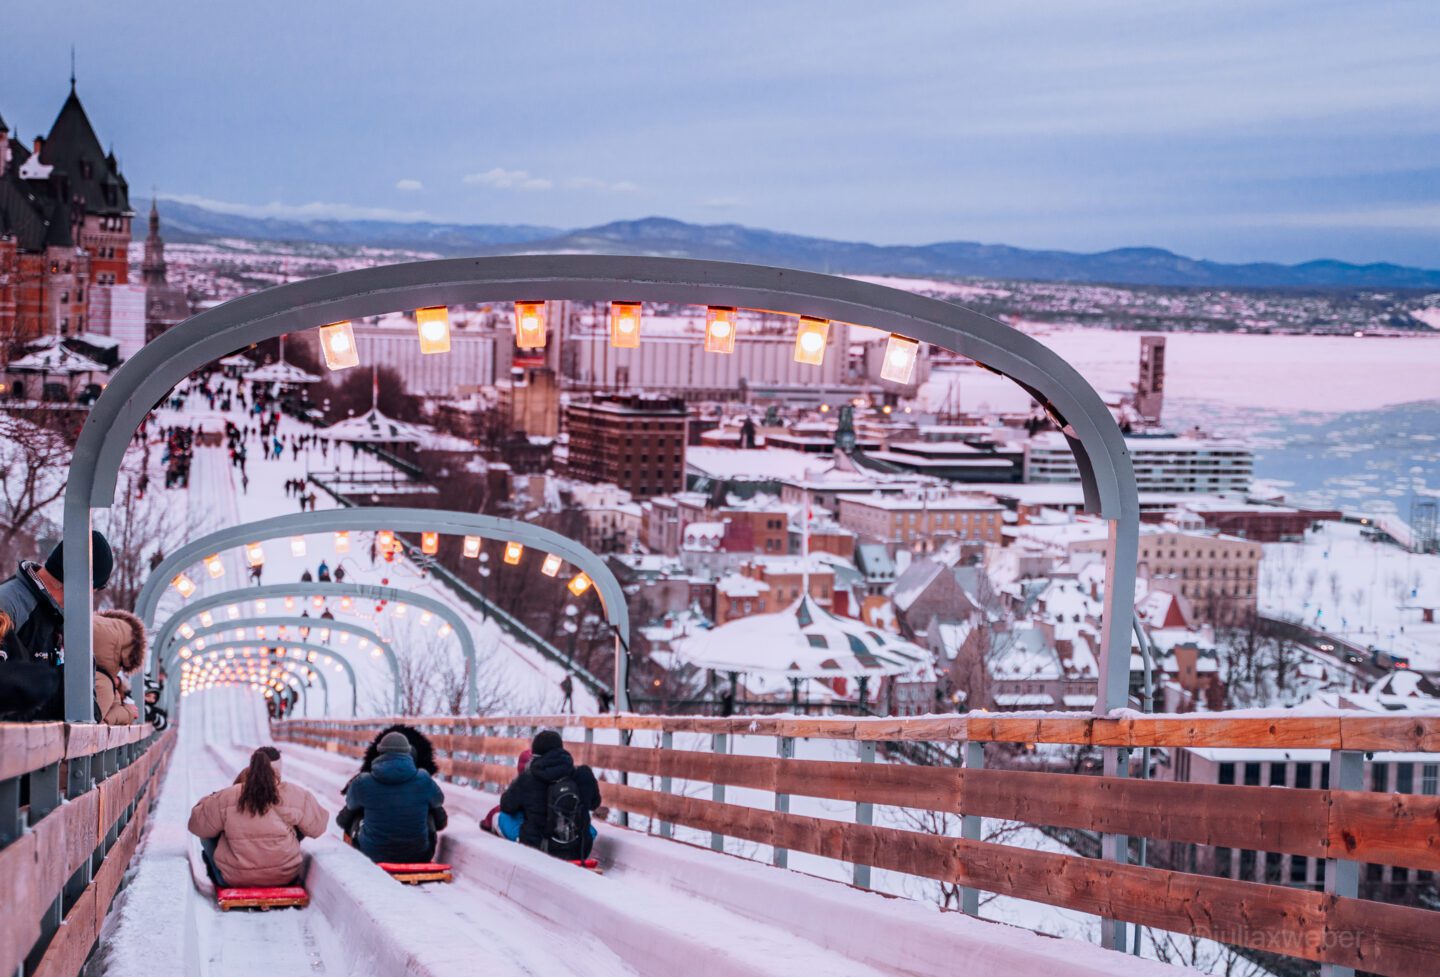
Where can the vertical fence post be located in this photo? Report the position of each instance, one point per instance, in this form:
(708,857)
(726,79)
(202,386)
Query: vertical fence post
(1114,848)
(785,749)
(667,743)
(972,826)
(1342,877)
(717,791)
(864,814)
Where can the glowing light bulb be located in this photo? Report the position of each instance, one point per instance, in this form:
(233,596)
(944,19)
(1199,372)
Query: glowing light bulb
(579,584)
(297,545)
(551,566)
(513,552)
(530,325)
(214,567)
(337,343)
(810,340)
(187,632)
(434,328)
(342,541)
(206,619)
(625,325)
(255,554)
(429,543)
(472,546)
(901,354)
(183,585)
(719,329)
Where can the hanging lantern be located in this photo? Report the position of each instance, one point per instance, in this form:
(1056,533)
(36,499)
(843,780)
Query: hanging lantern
(810,339)
(214,567)
(901,353)
(255,554)
(625,325)
(551,566)
(342,541)
(472,547)
(434,327)
(429,543)
(337,342)
(530,325)
(579,584)
(719,329)
(513,552)
(297,545)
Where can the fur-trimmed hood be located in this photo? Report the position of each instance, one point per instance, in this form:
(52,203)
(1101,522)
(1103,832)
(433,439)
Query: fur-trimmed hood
(119,642)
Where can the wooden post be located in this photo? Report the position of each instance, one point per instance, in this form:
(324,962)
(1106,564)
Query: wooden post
(785,749)
(717,791)
(864,810)
(1114,848)
(972,826)
(1342,877)
(667,742)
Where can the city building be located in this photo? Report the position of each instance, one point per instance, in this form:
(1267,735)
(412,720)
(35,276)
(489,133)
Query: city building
(1163,463)
(1261,523)
(529,401)
(165,304)
(920,522)
(767,584)
(1150,389)
(631,440)
(64,228)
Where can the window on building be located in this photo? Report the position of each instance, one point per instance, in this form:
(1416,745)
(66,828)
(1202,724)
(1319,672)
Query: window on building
(1430,779)
(1222,861)
(1380,777)
(1299,869)
(1277,774)
(1303,772)
(1247,864)
(1405,778)
(1252,776)
(1227,773)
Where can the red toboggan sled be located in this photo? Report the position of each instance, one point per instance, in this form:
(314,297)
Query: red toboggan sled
(417,873)
(262,897)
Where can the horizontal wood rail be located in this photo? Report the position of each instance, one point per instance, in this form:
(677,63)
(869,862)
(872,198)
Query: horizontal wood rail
(1353,825)
(62,864)
(1277,730)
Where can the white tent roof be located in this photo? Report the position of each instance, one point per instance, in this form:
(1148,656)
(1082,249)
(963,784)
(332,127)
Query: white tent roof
(802,641)
(57,359)
(237,359)
(280,372)
(373,427)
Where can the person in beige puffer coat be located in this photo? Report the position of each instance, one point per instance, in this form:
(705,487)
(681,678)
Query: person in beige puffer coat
(119,640)
(256,825)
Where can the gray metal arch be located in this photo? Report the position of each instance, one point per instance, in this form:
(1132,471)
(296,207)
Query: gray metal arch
(238,645)
(304,689)
(1106,472)
(307,646)
(312,623)
(457,624)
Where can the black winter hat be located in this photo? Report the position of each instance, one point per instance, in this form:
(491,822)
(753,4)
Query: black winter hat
(102,560)
(545,741)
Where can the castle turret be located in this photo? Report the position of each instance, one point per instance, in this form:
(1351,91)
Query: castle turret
(152,269)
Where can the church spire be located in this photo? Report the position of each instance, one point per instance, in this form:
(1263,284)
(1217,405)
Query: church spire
(152,269)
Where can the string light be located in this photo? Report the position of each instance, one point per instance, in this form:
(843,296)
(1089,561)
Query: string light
(187,632)
(434,328)
(625,325)
(385,540)
(551,566)
(206,619)
(233,612)
(289,603)
(318,601)
(810,339)
(183,585)
(579,584)
(901,352)
(255,554)
(297,545)
(429,543)
(337,342)
(259,607)
(530,325)
(346,603)
(214,567)
(513,552)
(342,541)
(472,547)
(719,329)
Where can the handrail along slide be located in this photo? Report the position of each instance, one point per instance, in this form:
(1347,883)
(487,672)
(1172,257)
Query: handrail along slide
(63,856)
(1341,825)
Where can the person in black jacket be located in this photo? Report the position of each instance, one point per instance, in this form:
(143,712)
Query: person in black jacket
(394,811)
(33,599)
(551,792)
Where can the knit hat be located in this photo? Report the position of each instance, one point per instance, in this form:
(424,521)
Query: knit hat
(102,560)
(545,741)
(395,742)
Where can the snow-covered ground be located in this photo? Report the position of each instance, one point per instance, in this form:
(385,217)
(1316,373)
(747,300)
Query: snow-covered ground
(1368,593)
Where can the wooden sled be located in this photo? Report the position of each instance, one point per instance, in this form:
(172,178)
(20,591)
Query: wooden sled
(417,873)
(262,898)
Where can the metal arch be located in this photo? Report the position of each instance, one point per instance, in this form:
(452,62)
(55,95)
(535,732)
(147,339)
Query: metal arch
(368,591)
(1107,474)
(237,645)
(236,681)
(311,623)
(308,646)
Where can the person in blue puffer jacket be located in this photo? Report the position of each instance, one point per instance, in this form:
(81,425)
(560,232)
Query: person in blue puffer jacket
(394,812)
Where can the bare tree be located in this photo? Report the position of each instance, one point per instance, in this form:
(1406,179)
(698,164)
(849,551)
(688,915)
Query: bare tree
(141,530)
(36,458)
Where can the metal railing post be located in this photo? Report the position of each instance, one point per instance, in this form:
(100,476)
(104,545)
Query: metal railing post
(717,791)
(785,749)
(1342,877)
(1114,848)
(667,743)
(972,826)
(864,814)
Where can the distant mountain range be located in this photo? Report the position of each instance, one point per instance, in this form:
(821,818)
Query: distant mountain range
(732,242)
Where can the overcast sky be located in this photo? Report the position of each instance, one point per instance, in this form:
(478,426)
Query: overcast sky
(1247,130)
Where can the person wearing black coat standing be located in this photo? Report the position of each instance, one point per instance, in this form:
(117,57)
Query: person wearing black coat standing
(529,794)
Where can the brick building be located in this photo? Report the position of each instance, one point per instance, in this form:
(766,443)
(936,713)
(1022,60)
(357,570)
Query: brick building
(634,441)
(906,522)
(64,227)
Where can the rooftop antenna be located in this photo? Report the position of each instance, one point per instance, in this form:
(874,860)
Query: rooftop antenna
(72,69)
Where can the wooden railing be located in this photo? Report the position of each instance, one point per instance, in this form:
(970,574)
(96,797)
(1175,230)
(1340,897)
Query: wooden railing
(62,863)
(1344,826)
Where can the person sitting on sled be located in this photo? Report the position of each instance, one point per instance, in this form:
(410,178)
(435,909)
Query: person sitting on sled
(250,831)
(398,807)
(553,799)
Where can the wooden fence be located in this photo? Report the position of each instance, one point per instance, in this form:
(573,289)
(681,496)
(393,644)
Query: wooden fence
(62,863)
(1343,825)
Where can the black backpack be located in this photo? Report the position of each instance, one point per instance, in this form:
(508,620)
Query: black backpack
(565,819)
